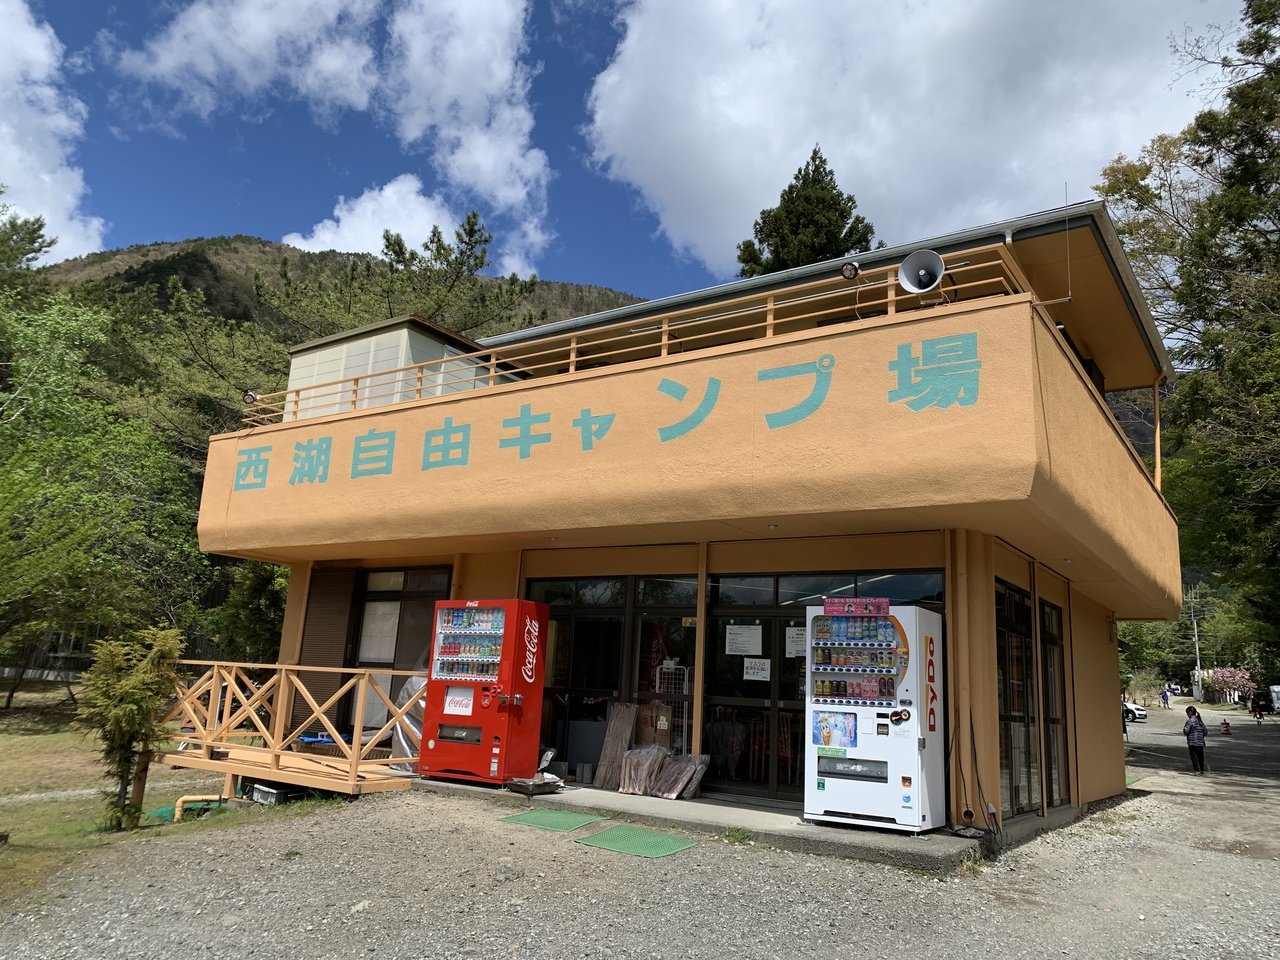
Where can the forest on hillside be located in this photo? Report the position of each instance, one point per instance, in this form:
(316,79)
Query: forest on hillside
(116,368)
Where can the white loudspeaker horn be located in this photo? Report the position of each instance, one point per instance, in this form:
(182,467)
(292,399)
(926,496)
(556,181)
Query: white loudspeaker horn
(921,272)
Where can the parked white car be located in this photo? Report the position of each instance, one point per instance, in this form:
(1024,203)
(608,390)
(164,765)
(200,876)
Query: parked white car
(1133,711)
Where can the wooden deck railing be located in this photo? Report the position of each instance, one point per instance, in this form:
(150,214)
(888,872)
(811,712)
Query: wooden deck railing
(972,274)
(256,716)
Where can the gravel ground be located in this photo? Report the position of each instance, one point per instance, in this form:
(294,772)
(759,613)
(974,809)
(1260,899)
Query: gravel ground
(1181,867)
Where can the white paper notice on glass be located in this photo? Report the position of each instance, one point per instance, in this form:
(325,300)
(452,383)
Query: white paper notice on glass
(795,641)
(755,669)
(743,639)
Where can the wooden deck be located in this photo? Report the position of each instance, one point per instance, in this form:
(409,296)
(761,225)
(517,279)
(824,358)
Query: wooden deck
(310,770)
(228,723)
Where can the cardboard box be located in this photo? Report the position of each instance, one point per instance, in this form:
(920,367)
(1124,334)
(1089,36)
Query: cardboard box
(653,723)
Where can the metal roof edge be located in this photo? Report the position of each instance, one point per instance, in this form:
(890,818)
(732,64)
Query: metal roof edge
(1043,222)
(1133,292)
(451,337)
(971,237)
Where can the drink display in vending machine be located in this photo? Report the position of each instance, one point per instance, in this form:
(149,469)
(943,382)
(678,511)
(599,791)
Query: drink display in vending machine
(482,715)
(875,744)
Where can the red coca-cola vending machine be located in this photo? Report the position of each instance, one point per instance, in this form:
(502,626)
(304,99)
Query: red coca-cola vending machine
(483,711)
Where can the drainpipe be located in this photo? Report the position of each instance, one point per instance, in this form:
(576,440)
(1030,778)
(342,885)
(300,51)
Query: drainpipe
(182,801)
(961,634)
(1155,404)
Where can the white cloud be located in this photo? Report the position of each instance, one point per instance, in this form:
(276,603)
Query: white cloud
(39,128)
(450,81)
(454,81)
(936,115)
(319,50)
(357,224)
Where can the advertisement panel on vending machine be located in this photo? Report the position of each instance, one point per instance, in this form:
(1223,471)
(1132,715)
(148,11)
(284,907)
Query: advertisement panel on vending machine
(875,741)
(482,715)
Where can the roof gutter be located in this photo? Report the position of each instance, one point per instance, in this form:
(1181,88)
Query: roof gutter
(1092,212)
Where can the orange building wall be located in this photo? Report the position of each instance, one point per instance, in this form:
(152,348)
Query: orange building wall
(1096,668)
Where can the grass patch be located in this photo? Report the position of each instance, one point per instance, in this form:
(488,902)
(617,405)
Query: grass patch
(39,749)
(737,835)
(971,868)
(50,794)
(1111,822)
(50,835)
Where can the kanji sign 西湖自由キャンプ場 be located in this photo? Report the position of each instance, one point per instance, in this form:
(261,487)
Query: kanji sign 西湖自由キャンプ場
(943,374)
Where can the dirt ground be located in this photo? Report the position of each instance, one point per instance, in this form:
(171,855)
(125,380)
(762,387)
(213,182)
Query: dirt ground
(1238,798)
(1181,866)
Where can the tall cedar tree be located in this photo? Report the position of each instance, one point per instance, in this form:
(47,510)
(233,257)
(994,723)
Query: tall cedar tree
(813,221)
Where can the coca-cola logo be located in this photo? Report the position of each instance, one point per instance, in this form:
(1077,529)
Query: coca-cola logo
(458,700)
(530,649)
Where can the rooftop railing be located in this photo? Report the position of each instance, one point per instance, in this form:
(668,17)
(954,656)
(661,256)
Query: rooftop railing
(970,275)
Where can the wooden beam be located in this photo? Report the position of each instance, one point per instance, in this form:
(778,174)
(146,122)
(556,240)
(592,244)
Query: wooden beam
(699,652)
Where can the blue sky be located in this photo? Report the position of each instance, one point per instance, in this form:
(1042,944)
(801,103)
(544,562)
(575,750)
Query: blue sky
(625,144)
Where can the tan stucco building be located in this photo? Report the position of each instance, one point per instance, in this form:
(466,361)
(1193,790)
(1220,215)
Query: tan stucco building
(662,472)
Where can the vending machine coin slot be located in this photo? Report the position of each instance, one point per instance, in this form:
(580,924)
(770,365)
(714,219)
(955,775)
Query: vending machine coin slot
(874,771)
(455,734)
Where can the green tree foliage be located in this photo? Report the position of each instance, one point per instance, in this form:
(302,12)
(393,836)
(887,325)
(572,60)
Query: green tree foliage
(129,682)
(441,282)
(22,241)
(99,528)
(813,221)
(250,621)
(42,363)
(97,513)
(1200,212)
(184,369)
(1226,628)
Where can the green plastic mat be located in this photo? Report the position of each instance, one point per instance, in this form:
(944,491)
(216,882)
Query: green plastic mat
(166,813)
(561,820)
(637,842)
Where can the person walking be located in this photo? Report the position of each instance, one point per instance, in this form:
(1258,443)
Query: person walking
(1164,698)
(1194,730)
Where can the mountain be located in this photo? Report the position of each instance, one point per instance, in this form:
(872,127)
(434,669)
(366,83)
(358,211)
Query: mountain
(223,269)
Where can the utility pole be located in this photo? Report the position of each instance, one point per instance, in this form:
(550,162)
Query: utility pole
(1190,599)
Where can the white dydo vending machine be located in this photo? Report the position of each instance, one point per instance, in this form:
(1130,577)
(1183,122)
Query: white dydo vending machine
(875,740)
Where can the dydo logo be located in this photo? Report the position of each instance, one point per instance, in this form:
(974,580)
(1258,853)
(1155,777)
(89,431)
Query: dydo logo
(530,649)
(931,679)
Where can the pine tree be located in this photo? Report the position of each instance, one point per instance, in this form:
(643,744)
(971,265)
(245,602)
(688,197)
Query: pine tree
(813,221)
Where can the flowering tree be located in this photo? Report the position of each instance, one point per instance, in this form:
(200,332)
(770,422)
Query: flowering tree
(1225,681)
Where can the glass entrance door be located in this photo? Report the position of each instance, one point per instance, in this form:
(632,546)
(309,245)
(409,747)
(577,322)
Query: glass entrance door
(754,708)
(1018,695)
(583,666)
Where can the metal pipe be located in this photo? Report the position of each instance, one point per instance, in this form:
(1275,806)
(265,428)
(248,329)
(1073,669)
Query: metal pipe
(182,801)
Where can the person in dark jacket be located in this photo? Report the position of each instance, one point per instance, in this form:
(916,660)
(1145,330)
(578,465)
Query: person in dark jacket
(1194,730)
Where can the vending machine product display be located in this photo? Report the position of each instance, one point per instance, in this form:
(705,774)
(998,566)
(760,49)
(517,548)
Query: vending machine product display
(875,740)
(483,710)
